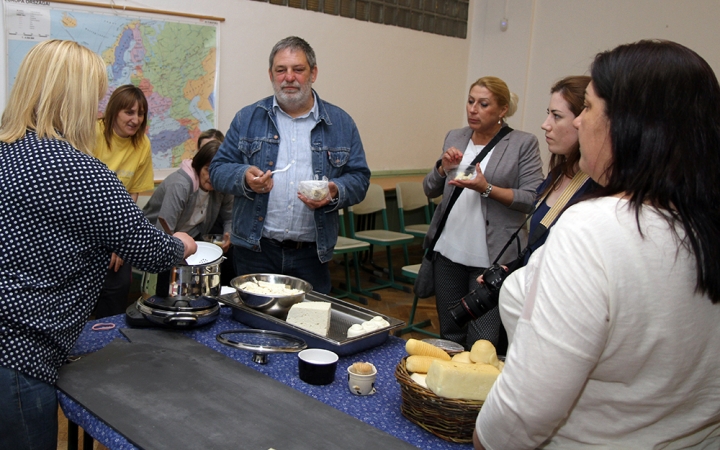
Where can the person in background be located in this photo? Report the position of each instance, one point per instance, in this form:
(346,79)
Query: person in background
(122,145)
(566,103)
(491,207)
(617,344)
(59,225)
(209,135)
(275,228)
(187,202)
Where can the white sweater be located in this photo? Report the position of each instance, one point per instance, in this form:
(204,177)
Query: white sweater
(613,348)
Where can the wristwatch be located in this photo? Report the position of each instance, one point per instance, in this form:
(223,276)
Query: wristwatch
(487,192)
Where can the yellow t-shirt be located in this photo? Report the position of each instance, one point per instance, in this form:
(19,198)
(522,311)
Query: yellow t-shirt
(133,166)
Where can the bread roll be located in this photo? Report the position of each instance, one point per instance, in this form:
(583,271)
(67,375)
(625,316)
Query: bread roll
(419,363)
(462,357)
(483,352)
(415,347)
(459,380)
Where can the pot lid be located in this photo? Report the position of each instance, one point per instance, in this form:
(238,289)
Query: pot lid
(262,342)
(181,304)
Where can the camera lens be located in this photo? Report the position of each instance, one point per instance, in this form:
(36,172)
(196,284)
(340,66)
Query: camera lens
(473,305)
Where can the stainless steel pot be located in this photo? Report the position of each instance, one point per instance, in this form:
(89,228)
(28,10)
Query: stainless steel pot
(195,281)
(200,276)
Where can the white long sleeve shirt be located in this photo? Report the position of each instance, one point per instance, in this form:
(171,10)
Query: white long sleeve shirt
(613,348)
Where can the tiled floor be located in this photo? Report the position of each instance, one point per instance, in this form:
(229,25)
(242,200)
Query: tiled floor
(395,303)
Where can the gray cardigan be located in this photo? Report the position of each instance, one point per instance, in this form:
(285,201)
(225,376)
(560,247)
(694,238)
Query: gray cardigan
(514,163)
(174,201)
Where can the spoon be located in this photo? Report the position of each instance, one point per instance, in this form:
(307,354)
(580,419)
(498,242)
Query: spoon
(280,170)
(283,169)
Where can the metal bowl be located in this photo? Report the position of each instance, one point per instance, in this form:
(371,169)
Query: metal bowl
(274,305)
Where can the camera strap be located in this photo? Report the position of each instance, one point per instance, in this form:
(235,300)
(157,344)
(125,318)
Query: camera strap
(504,131)
(578,180)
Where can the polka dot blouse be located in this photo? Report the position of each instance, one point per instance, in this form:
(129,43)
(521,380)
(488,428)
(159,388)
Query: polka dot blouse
(62,214)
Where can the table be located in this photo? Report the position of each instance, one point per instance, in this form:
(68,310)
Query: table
(388,182)
(381,410)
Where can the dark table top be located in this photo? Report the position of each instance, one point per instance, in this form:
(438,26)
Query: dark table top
(381,410)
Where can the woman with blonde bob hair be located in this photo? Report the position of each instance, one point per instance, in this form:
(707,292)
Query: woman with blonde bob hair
(478,216)
(59,225)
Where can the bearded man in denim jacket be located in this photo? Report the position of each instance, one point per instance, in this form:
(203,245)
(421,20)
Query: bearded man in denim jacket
(276,229)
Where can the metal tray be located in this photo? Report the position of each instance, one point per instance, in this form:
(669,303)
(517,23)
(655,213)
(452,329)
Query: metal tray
(342,315)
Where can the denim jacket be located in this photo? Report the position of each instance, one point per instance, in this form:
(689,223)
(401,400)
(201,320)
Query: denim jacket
(253,140)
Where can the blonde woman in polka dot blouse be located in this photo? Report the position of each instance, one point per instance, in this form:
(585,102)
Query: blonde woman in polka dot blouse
(62,214)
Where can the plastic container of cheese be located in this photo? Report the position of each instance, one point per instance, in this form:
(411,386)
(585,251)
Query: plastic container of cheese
(343,315)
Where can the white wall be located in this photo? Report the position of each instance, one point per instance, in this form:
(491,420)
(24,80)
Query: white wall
(403,88)
(406,89)
(549,39)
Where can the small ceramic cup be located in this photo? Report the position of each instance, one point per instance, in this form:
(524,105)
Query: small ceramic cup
(317,366)
(362,384)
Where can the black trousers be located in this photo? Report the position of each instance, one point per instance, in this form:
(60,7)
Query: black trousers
(452,282)
(115,291)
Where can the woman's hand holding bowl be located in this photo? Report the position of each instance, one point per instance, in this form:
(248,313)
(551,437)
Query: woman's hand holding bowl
(478,184)
(450,159)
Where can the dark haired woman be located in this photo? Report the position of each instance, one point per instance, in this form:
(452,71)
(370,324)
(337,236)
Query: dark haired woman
(187,201)
(564,185)
(209,135)
(617,344)
(122,145)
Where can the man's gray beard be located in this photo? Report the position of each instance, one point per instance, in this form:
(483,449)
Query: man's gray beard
(292,100)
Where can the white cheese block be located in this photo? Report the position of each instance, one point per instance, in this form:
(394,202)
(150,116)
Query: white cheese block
(310,316)
(461,380)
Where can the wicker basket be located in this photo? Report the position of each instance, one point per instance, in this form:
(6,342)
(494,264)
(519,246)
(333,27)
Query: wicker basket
(446,418)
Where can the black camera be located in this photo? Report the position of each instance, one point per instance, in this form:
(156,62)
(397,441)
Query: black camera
(481,300)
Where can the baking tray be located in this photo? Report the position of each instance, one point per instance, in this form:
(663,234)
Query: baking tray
(342,315)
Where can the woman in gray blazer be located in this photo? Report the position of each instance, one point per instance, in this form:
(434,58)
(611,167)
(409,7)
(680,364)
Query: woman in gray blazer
(488,211)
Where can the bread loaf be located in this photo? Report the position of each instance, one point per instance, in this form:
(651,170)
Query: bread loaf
(461,381)
(419,363)
(415,347)
(483,352)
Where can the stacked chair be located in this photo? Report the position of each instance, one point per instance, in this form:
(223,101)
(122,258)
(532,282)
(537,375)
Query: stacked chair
(344,247)
(374,203)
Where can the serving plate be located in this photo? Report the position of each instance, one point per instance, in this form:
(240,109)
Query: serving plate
(342,315)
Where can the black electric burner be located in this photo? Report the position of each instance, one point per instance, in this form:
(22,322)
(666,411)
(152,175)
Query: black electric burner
(172,312)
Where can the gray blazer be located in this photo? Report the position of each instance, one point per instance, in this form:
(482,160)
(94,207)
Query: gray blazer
(514,163)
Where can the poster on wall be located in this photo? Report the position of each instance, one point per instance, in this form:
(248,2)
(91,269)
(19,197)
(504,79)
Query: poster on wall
(173,61)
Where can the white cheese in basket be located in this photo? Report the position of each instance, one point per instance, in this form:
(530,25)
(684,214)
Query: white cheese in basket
(311,316)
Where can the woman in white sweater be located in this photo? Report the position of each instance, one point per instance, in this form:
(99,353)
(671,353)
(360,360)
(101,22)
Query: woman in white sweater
(617,343)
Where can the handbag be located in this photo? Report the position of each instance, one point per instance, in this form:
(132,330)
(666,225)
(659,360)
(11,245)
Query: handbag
(424,286)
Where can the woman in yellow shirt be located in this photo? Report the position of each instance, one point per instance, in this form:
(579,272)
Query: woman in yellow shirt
(122,145)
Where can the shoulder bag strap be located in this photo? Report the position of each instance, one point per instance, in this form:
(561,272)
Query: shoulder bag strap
(575,184)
